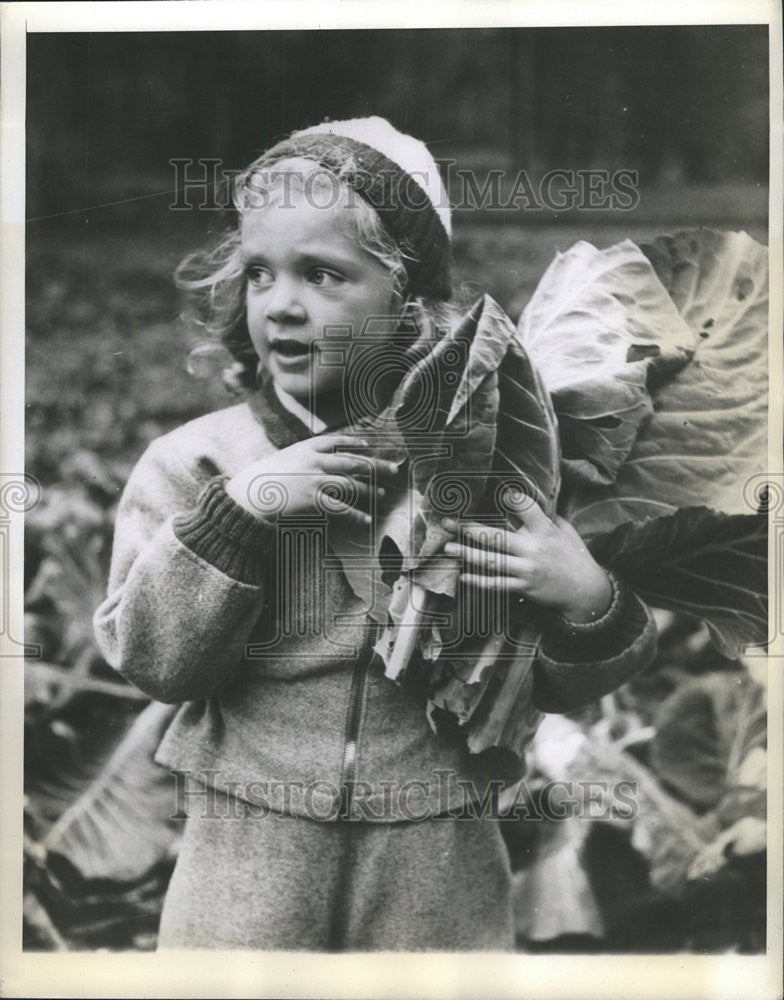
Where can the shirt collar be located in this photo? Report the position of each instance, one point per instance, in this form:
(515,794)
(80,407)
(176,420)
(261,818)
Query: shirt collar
(314,424)
(282,426)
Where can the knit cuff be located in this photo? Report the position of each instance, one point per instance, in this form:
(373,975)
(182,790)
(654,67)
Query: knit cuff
(574,668)
(226,535)
(587,642)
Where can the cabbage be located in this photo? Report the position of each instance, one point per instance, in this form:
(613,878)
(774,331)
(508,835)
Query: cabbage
(706,437)
(710,565)
(681,500)
(599,327)
(474,432)
(654,361)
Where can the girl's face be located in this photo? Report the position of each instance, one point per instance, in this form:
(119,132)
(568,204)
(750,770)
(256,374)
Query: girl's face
(306,272)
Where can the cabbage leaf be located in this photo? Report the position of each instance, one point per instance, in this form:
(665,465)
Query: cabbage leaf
(699,562)
(475,434)
(654,361)
(676,518)
(707,436)
(599,327)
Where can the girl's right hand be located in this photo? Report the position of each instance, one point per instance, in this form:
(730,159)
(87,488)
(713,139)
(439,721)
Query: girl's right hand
(313,475)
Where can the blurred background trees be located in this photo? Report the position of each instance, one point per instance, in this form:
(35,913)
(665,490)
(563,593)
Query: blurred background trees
(106,111)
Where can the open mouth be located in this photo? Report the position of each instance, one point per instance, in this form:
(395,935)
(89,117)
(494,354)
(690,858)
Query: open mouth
(289,348)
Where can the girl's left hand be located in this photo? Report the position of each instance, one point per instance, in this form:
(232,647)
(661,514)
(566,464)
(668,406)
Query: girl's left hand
(544,560)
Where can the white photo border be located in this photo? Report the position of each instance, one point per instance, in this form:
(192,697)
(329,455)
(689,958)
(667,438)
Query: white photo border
(379,976)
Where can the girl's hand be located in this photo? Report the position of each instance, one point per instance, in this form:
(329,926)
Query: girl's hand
(544,560)
(312,475)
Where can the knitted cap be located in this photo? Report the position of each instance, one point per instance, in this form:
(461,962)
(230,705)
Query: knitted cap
(395,174)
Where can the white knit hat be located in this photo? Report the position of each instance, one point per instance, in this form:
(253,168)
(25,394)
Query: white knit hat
(410,154)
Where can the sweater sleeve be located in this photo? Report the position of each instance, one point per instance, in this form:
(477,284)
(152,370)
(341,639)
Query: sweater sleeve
(185,584)
(577,664)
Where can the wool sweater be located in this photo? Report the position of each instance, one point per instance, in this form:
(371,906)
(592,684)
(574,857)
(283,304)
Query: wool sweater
(204,610)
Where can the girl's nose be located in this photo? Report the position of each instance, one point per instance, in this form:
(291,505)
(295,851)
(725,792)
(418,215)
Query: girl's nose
(283,302)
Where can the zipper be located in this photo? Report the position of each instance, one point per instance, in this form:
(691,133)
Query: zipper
(356,704)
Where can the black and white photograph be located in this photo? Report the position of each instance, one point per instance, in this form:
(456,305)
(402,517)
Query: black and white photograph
(392,499)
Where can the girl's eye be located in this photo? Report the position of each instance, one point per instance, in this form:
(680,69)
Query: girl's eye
(326,279)
(258,276)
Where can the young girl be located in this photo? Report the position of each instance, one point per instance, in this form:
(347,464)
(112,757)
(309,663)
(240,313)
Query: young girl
(322,805)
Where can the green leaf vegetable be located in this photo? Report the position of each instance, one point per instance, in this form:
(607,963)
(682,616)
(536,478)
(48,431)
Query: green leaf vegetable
(654,362)
(118,828)
(703,563)
(475,433)
(707,434)
(676,518)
